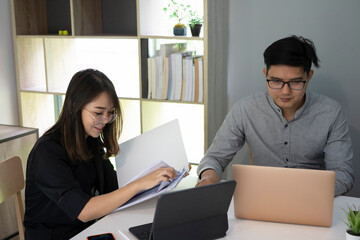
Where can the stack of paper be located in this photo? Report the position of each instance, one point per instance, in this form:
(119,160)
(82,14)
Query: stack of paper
(158,189)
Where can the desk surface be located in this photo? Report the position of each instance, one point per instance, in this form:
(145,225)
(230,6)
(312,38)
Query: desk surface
(119,222)
(8,132)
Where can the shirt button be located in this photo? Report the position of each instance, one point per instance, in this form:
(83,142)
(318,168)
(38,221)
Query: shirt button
(285,143)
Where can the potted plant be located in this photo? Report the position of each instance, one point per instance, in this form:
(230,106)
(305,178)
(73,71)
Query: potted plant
(353,223)
(180,12)
(195,23)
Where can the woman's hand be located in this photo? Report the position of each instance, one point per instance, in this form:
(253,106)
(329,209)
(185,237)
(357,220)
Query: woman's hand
(154,178)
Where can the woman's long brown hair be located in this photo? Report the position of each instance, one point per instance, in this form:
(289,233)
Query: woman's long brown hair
(83,88)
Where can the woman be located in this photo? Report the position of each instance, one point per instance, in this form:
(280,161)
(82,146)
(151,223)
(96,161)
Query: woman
(69,180)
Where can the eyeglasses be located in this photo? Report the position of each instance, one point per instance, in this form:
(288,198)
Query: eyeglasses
(293,85)
(101,118)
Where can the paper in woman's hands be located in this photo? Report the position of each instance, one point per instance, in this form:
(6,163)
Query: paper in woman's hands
(158,189)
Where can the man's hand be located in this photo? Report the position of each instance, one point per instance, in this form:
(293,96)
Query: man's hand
(208,176)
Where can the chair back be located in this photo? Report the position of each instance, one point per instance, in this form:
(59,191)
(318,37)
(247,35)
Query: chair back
(11,184)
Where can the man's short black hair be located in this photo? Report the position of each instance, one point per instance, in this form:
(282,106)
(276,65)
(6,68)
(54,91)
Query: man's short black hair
(292,51)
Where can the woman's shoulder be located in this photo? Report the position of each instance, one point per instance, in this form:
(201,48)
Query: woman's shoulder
(49,144)
(48,139)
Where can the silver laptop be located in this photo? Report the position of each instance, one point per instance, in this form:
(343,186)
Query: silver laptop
(288,195)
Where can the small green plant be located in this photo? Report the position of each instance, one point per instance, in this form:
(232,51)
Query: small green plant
(177,10)
(195,18)
(353,220)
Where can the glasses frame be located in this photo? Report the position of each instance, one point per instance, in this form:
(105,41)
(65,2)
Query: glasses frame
(97,119)
(288,83)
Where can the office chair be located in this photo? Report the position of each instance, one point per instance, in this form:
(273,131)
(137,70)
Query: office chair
(11,184)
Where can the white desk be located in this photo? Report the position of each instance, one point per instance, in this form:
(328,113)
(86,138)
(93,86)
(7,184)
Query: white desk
(119,222)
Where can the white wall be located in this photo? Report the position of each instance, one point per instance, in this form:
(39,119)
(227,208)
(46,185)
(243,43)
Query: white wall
(333,25)
(8,97)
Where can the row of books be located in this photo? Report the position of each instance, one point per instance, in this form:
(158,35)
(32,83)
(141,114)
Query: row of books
(175,74)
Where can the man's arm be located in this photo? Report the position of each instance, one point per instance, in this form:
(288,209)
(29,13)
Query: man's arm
(209,176)
(228,140)
(338,154)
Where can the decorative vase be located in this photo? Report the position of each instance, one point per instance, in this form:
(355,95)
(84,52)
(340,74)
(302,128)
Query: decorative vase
(179,30)
(195,30)
(351,236)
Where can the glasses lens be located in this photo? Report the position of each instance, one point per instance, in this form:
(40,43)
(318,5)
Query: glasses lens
(111,118)
(101,119)
(275,84)
(297,85)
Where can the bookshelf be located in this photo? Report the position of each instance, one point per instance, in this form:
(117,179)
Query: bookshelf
(112,36)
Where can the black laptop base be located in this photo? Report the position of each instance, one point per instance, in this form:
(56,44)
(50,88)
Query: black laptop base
(203,229)
(141,232)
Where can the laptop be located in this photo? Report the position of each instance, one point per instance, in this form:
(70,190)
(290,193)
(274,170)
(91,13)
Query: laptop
(194,213)
(288,195)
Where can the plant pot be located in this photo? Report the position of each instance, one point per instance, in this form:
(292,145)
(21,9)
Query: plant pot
(195,30)
(351,236)
(179,31)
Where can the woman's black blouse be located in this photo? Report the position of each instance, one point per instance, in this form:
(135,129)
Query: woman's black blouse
(57,189)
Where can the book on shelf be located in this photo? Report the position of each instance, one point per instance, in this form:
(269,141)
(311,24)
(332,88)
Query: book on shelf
(151,77)
(187,79)
(159,78)
(176,76)
(166,78)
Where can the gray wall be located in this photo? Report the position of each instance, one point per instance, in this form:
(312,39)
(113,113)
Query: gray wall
(333,25)
(8,97)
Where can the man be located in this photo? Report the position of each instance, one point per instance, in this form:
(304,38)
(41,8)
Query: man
(287,126)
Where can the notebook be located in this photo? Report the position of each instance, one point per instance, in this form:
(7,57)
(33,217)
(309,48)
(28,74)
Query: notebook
(194,213)
(287,195)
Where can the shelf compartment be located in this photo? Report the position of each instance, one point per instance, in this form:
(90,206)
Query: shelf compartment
(116,58)
(155,22)
(152,47)
(42,17)
(191,120)
(31,64)
(108,17)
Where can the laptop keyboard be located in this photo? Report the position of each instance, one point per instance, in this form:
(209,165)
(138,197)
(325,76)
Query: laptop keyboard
(141,232)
